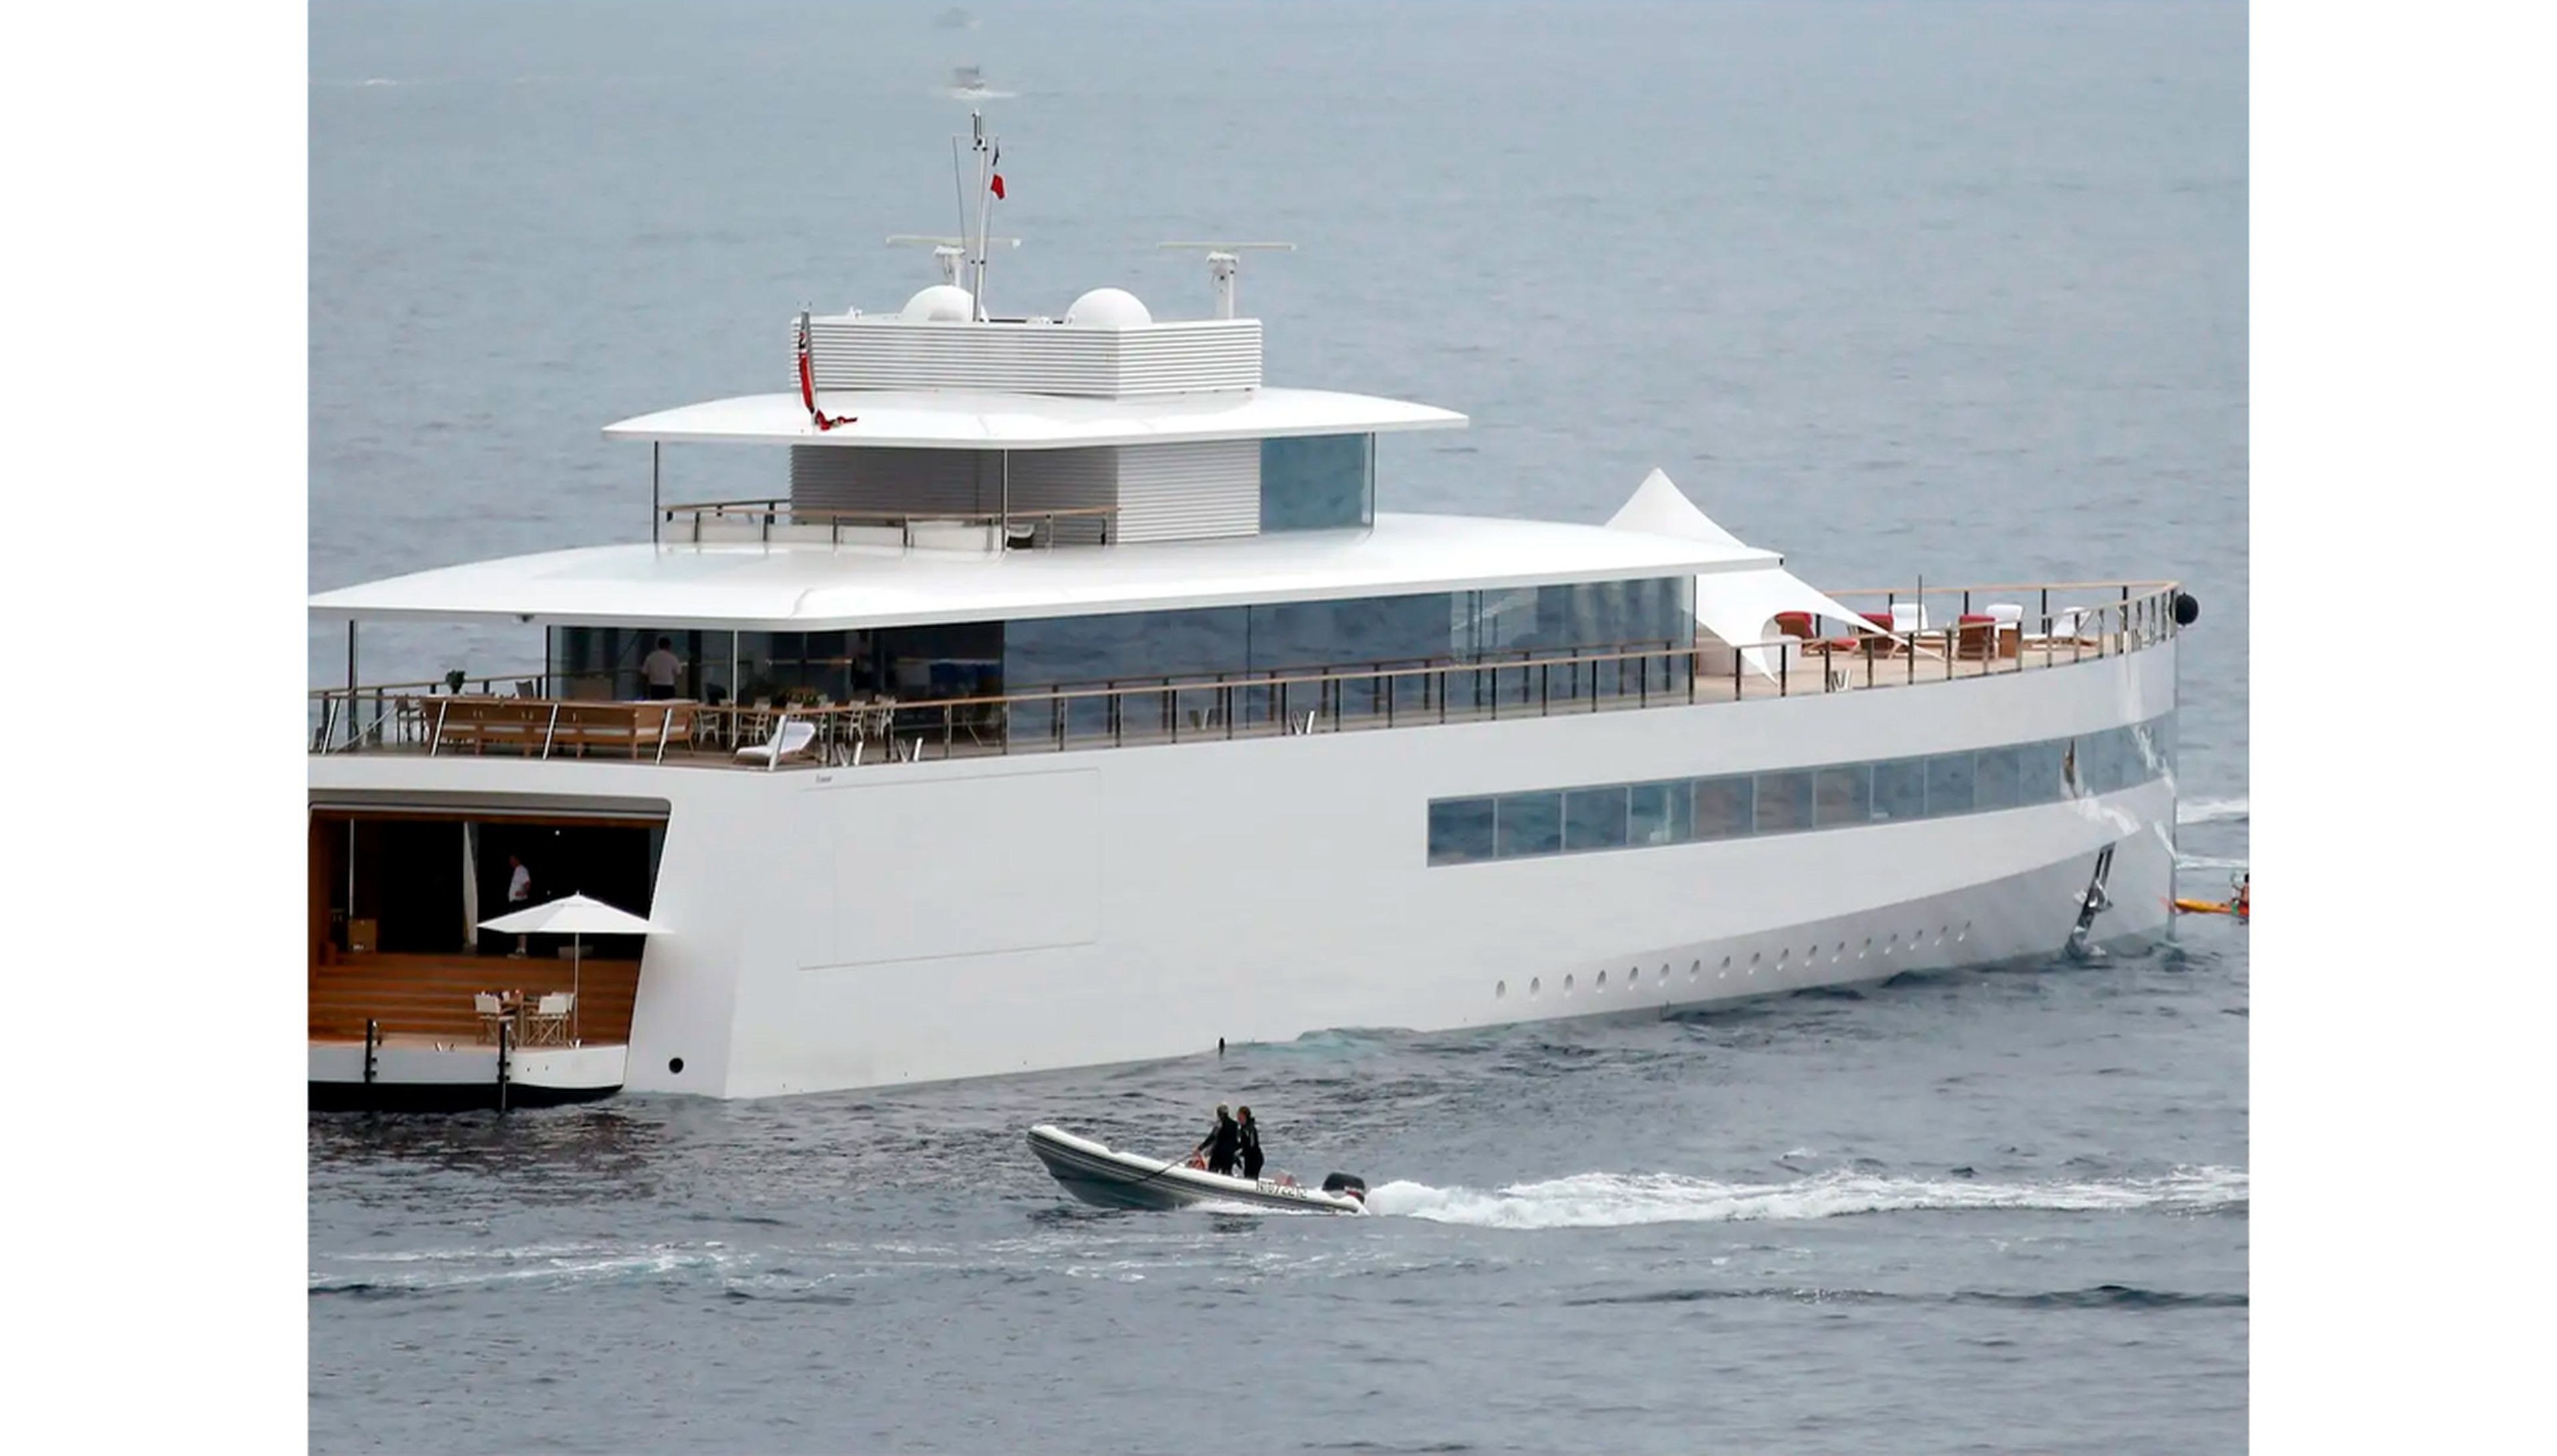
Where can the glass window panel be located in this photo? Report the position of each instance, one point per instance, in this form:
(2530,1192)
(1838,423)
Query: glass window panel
(2144,753)
(2165,741)
(1089,650)
(1317,482)
(1784,801)
(2111,752)
(1399,629)
(1724,807)
(2073,768)
(1529,824)
(1900,789)
(1994,779)
(1460,831)
(1594,819)
(1949,784)
(1660,813)
(2037,767)
(1844,795)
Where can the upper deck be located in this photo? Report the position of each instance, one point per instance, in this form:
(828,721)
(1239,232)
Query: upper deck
(762,567)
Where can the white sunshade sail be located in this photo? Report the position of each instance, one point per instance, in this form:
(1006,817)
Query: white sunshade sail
(1739,607)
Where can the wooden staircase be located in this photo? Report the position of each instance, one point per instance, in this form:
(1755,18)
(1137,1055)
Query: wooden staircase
(430,996)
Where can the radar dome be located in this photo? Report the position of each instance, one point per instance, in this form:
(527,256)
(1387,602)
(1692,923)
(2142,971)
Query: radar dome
(942,303)
(1109,308)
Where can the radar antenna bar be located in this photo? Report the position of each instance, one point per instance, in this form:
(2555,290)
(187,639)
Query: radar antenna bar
(1224,262)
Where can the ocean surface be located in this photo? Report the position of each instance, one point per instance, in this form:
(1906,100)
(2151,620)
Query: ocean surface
(1945,289)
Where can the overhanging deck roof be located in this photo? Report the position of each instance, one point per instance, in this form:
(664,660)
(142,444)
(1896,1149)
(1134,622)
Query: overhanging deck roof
(811,586)
(978,420)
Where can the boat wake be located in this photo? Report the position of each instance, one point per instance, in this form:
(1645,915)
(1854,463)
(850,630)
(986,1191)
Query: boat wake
(2211,811)
(1612,1200)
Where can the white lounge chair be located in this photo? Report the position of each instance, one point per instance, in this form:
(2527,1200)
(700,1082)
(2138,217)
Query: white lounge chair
(796,738)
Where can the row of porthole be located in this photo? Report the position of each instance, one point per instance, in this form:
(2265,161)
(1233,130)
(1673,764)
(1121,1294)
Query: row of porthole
(1784,957)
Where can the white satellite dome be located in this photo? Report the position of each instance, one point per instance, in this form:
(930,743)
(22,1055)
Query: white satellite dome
(1109,308)
(942,303)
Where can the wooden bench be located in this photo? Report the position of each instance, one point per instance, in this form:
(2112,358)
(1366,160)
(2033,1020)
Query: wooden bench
(543,726)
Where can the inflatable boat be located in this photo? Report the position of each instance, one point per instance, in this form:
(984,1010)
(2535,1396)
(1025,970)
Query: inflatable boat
(1096,1174)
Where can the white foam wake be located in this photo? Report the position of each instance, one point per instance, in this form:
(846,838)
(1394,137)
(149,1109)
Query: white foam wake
(2210,811)
(1610,1200)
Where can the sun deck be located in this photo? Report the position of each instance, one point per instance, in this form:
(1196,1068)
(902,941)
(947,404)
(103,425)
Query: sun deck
(2096,621)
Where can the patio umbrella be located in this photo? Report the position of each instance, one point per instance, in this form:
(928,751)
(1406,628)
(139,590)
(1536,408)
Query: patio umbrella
(577,917)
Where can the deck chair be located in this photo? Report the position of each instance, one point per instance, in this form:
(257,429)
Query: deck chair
(547,1023)
(796,738)
(492,1013)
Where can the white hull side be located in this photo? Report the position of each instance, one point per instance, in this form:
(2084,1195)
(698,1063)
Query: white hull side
(921,922)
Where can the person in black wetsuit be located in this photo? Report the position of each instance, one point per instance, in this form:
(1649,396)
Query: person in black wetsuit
(1219,1144)
(1248,1135)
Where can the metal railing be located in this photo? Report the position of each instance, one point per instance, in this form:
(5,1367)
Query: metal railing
(1176,708)
(759,518)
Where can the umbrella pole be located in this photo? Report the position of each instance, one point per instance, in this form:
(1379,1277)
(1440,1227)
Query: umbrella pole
(575,1002)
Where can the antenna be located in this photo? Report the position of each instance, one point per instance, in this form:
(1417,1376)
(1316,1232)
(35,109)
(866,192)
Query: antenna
(1223,264)
(986,150)
(946,252)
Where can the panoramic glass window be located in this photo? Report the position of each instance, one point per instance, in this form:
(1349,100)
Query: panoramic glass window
(1659,814)
(1784,801)
(2036,770)
(1842,794)
(1993,778)
(1594,819)
(1724,807)
(1460,830)
(1530,824)
(1826,796)
(1900,788)
(1949,784)
(1317,482)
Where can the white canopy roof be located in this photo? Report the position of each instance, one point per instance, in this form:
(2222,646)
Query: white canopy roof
(978,420)
(811,587)
(1739,607)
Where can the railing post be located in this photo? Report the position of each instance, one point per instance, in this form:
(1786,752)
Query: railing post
(548,729)
(372,1041)
(1783,669)
(505,1067)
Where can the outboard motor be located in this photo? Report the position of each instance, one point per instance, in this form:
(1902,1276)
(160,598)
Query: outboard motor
(1349,1183)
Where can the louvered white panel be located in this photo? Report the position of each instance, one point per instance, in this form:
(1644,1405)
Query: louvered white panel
(862,352)
(836,477)
(1067,480)
(1185,492)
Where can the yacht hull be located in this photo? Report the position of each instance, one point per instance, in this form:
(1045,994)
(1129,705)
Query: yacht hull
(900,923)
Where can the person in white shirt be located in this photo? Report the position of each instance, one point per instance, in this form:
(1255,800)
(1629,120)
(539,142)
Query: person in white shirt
(661,668)
(519,893)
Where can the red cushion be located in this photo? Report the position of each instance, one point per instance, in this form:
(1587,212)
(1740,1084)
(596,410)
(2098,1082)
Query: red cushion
(1880,620)
(1977,617)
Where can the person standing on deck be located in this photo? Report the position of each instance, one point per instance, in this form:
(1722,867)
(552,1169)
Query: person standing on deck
(1247,1137)
(660,669)
(519,893)
(1219,1144)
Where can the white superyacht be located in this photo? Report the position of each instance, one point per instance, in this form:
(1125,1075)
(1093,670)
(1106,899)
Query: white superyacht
(1071,700)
